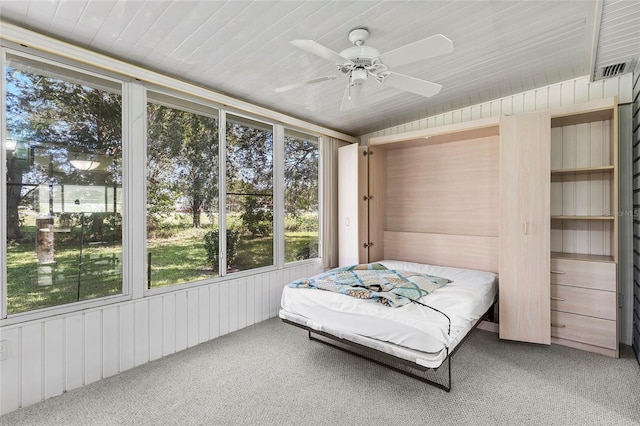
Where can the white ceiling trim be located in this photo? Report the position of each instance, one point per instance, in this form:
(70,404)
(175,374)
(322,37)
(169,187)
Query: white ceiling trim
(593,51)
(52,46)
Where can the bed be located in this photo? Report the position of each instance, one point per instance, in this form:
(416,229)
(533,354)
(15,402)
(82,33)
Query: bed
(421,335)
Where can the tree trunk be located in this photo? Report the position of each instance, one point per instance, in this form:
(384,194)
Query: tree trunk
(14,188)
(195,212)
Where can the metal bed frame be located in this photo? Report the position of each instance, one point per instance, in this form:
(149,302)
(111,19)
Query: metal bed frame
(369,352)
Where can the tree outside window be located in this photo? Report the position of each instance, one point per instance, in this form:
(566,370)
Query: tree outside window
(64,186)
(301,156)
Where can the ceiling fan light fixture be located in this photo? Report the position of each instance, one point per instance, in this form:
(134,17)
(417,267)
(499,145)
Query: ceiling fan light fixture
(359,76)
(85,165)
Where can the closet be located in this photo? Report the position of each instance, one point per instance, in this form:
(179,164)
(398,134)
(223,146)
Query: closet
(524,296)
(531,196)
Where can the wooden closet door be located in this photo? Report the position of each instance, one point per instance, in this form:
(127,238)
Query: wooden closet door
(352,208)
(524,231)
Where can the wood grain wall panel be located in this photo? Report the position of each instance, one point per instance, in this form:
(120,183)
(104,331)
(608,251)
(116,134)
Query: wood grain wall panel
(127,337)
(141,331)
(168,324)
(193,318)
(460,251)
(92,346)
(110,341)
(31,367)
(74,353)
(155,329)
(182,321)
(524,241)
(54,357)
(461,195)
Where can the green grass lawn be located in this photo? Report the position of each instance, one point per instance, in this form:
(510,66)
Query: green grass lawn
(174,260)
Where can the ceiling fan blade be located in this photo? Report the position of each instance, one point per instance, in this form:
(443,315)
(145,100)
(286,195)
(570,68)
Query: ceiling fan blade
(412,84)
(352,97)
(429,47)
(320,50)
(304,83)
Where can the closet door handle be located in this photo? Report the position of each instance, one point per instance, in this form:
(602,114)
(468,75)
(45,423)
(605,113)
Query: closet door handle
(524,228)
(558,325)
(557,272)
(560,299)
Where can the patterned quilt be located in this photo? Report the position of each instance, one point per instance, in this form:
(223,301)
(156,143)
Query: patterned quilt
(374,281)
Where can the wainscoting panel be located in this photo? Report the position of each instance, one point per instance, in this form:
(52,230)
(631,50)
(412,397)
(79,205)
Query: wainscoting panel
(92,347)
(49,356)
(127,337)
(54,363)
(73,354)
(110,341)
(155,328)
(32,363)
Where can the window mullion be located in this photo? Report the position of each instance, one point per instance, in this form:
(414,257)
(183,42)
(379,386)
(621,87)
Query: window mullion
(278,195)
(222,192)
(135,148)
(3,185)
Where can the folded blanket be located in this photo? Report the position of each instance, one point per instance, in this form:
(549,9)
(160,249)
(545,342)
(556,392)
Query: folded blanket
(374,281)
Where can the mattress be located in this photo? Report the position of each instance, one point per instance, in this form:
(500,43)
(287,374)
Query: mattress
(412,332)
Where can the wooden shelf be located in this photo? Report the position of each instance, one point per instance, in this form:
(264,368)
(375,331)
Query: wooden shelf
(582,170)
(582,217)
(580,256)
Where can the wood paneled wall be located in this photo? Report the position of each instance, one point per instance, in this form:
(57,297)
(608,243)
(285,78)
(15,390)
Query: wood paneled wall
(636,209)
(50,356)
(449,188)
(565,93)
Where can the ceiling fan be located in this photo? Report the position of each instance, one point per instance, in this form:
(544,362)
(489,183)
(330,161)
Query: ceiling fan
(361,62)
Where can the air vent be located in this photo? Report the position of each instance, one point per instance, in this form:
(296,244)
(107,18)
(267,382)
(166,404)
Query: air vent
(613,70)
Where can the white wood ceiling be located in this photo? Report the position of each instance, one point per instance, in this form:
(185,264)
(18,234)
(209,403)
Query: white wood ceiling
(241,48)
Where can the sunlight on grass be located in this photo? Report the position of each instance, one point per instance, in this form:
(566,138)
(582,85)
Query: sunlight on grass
(178,259)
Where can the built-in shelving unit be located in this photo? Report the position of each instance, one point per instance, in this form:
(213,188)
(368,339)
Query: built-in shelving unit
(584,226)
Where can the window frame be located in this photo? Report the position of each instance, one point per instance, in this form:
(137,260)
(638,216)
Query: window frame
(184,103)
(126,291)
(277,203)
(320,197)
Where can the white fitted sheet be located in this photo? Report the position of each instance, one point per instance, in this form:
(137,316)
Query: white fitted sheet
(419,333)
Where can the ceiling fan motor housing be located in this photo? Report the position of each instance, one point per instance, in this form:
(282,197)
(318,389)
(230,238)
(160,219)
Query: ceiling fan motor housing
(360,55)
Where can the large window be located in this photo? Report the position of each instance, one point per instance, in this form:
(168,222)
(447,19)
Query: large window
(63,186)
(64,229)
(301,157)
(182,192)
(249,201)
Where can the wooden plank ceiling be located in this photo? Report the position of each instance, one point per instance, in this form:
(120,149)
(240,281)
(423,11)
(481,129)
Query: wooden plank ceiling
(241,48)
